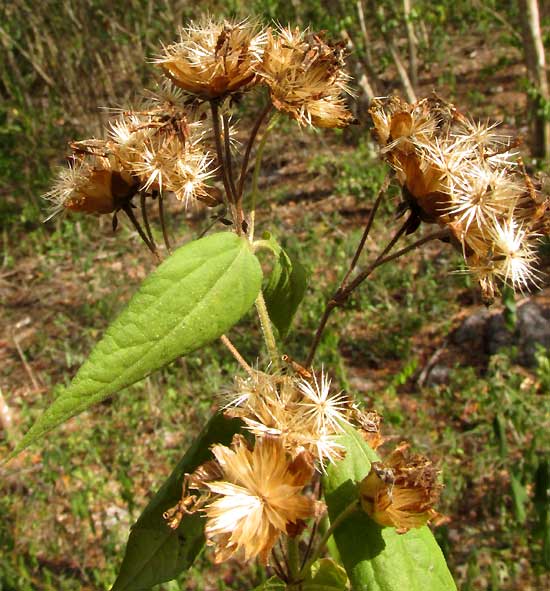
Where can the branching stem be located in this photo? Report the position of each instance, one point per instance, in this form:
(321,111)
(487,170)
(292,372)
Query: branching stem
(214,107)
(341,295)
(131,216)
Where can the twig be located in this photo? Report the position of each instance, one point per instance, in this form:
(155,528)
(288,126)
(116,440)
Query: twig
(25,363)
(342,293)
(367,229)
(163,224)
(246,158)
(127,209)
(234,351)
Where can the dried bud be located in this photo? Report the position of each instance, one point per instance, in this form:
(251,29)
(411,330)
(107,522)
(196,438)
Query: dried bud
(402,491)
(306,78)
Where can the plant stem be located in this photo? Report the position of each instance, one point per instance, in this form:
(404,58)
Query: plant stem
(264,113)
(340,296)
(221,163)
(351,508)
(366,231)
(293,555)
(163,223)
(267,330)
(234,351)
(256,176)
(129,212)
(146,218)
(228,159)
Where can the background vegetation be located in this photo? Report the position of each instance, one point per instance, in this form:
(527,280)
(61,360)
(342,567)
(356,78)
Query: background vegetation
(65,509)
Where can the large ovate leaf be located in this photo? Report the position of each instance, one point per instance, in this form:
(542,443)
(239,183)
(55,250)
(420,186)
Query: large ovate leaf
(154,552)
(378,558)
(285,289)
(192,298)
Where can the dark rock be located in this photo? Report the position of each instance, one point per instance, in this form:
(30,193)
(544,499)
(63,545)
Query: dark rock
(438,375)
(533,328)
(487,333)
(472,330)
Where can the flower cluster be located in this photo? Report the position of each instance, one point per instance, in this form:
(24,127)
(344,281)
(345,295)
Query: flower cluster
(166,145)
(305,74)
(464,176)
(157,148)
(252,494)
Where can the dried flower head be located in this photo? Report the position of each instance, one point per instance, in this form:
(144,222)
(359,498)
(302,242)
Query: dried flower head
(91,184)
(306,77)
(463,176)
(401,491)
(259,498)
(305,414)
(214,58)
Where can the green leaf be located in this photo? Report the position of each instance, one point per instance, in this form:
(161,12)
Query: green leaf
(520,498)
(191,299)
(377,558)
(155,553)
(285,289)
(272,584)
(326,575)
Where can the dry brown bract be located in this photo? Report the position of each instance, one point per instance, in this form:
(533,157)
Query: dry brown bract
(463,176)
(306,78)
(214,58)
(401,491)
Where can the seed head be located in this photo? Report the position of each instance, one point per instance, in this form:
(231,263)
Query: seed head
(214,58)
(401,491)
(259,498)
(306,78)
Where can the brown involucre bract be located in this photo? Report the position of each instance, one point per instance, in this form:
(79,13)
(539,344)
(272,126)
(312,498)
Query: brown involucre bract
(463,176)
(306,77)
(401,491)
(214,58)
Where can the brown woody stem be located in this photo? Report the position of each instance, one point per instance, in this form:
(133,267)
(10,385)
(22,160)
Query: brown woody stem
(341,295)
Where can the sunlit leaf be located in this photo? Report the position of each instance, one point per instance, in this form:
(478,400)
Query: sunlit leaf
(378,558)
(192,298)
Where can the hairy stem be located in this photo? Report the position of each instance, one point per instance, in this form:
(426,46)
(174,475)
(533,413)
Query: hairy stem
(267,330)
(234,351)
(349,510)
